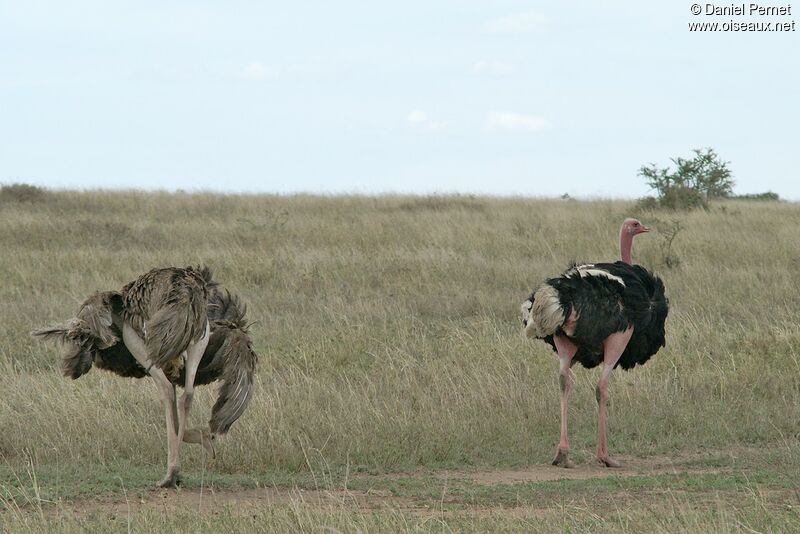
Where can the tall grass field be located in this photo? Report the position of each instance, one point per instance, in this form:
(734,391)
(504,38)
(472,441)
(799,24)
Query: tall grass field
(393,368)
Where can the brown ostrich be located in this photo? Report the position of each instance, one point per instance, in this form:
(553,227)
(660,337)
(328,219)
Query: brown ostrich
(602,313)
(181,328)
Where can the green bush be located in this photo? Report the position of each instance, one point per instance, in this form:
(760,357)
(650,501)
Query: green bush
(693,181)
(22,193)
(769,196)
(682,197)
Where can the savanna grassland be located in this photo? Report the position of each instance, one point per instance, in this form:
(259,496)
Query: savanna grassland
(395,389)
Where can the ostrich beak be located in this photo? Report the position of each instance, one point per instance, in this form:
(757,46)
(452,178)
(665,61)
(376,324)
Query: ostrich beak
(645,228)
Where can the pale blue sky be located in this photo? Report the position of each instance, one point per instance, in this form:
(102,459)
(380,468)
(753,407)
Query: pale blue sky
(501,97)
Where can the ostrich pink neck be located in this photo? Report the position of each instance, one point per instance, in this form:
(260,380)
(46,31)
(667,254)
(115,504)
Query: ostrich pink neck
(625,245)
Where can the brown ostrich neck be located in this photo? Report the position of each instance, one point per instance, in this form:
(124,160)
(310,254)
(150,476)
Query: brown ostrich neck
(625,245)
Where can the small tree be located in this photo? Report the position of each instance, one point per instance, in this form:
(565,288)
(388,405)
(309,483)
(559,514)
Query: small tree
(692,182)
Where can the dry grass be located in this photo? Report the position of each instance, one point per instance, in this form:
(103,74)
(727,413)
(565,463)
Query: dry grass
(388,328)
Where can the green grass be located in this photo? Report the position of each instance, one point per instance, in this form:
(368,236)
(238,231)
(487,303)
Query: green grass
(297,517)
(390,340)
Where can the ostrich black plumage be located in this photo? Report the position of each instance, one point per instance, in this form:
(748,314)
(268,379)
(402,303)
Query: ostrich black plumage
(178,326)
(602,313)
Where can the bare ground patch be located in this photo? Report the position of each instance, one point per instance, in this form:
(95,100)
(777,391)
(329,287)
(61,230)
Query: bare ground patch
(209,500)
(239,502)
(631,467)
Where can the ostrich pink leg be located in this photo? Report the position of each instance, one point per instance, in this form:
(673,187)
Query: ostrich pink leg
(566,350)
(613,347)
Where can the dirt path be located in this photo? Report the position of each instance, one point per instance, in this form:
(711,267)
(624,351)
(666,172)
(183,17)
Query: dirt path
(655,465)
(245,500)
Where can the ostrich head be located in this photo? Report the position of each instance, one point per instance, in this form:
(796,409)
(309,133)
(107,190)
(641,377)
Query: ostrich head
(633,227)
(630,229)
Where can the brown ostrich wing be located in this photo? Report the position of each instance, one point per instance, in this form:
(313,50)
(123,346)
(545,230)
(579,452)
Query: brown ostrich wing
(83,336)
(97,314)
(59,333)
(225,306)
(238,368)
(168,308)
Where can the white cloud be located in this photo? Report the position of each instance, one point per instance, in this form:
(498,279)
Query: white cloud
(506,120)
(417,117)
(255,70)
(420,119)
(497,68)
(519,23)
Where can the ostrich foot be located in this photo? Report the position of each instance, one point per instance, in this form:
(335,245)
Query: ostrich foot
(172,480)
(606,461)
(562,459)
(202,436)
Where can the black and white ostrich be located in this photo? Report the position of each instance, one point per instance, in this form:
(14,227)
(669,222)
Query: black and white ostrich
(181,328)
(602,313)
